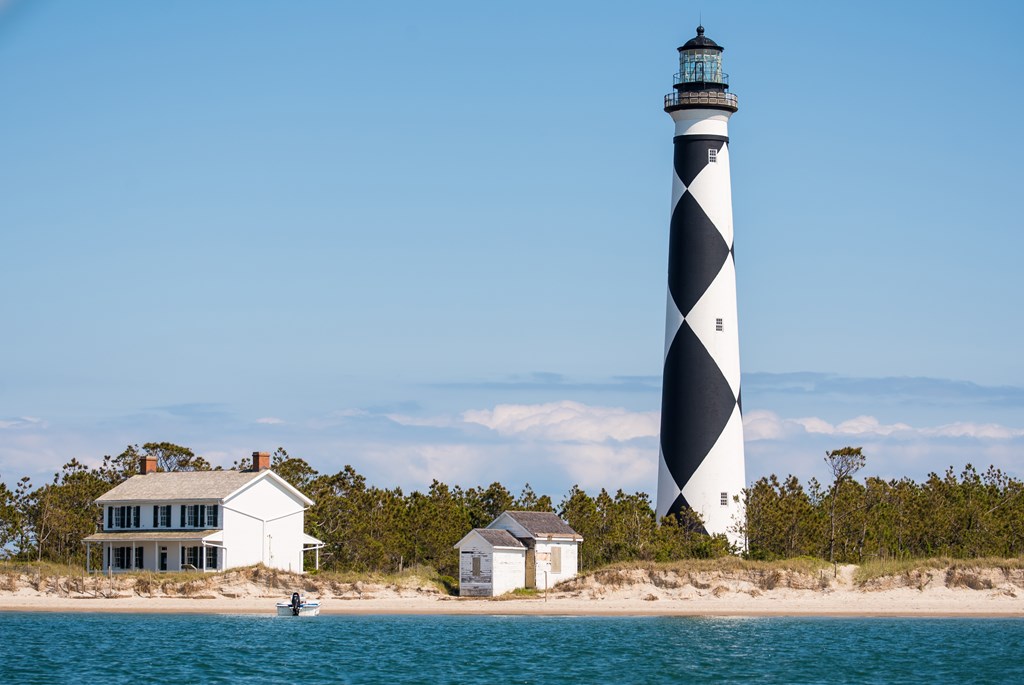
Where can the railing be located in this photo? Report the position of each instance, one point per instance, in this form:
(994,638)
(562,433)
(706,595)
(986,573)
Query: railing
(698,77)
(708,98)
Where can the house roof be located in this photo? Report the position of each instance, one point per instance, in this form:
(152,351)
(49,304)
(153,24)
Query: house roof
(150,536)
(498,537)
(495,537)
(176,485)
(542,524)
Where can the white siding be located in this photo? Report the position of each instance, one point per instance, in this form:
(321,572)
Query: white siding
(263,524)
(501,570)
(570,561)
(506,522)
(509,570)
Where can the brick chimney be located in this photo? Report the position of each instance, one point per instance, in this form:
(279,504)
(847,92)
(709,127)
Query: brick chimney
(147,464)
(260,461)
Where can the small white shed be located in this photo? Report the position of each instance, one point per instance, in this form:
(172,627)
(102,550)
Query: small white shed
(519,549)
(491,563)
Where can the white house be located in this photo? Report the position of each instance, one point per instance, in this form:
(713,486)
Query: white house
(528,549)
(202,520)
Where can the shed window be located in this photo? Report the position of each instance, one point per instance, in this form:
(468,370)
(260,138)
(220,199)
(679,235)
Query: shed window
(712,155)
(476,566)
(556,559)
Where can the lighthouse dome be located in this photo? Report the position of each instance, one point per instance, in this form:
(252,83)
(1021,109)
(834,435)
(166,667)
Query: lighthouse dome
(700,41)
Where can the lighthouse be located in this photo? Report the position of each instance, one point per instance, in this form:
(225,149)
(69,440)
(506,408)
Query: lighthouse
(701,462)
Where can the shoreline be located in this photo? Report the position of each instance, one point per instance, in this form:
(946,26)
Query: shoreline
(837,607)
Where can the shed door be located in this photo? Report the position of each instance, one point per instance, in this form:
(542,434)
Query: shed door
(531,567)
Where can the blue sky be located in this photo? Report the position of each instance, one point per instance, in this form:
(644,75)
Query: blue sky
(430,240)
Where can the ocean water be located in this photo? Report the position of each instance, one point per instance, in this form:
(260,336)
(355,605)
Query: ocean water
(144,648)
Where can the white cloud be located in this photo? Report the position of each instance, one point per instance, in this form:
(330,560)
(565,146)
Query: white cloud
(270,421)
(988,431)
(430,421)
(566,421)
(766,425)
(22,422)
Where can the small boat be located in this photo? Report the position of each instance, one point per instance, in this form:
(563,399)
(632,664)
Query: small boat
(298,607)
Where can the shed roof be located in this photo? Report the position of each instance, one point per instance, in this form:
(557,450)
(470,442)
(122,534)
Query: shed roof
(176,485)
(498,537)
(543,523)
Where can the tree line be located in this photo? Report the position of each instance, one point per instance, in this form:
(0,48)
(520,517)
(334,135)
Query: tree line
(366,528)
(960,515)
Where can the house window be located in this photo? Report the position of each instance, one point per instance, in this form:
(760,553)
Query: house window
(195,515)
(211,557)
(725,499)
(190,556)
(211,516)
(126,517)
(712,155)
(719,325)
(476,566)
(123,557)
(165,516)
(556,559)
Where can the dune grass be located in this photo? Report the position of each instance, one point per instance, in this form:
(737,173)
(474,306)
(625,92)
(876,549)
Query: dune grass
(875,569)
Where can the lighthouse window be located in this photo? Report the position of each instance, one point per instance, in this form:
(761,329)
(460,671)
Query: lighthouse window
(719,326)
(712,155)
(725,499)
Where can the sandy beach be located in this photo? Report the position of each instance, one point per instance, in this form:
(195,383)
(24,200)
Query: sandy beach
(648,592)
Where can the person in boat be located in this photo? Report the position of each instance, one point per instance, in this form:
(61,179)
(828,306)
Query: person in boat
(296,603)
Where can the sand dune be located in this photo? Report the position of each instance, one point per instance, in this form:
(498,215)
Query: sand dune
(954,591)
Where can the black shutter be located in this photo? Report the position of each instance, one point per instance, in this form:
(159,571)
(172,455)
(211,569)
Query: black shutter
(156,516)
(125,521)
(137,517)
(138,557)
(182,556)
(110,524)
(183,525)
(214,512)
(201,520)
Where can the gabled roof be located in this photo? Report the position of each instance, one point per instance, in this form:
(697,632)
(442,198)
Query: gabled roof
(190,485)
(495,537)
(498,538)
(542,524)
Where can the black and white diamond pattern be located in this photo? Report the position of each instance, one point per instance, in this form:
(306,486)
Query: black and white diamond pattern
(701,427)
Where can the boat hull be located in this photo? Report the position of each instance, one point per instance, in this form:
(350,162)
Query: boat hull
(305,609)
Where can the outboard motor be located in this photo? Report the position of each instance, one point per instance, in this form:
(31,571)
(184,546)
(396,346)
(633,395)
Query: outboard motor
(296,603)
